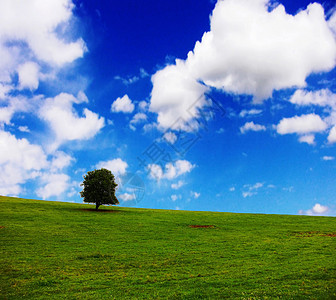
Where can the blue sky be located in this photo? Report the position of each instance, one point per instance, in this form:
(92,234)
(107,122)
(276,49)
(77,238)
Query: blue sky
(196,105)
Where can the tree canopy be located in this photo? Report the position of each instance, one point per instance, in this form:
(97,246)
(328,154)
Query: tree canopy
(99,187)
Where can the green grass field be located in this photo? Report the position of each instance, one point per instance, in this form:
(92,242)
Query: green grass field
(70,251)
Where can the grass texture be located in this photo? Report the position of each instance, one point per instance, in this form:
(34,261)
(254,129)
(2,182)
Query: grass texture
(55,250)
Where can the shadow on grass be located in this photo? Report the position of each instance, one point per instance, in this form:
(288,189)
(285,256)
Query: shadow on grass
(100,210)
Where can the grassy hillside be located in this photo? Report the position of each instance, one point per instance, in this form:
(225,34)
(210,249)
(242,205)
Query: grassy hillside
(63,250)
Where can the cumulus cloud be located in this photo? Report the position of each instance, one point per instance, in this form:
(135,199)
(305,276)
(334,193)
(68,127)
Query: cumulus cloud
(170,137)
(322,97)
(54,185)
(175,197)
(332,22)
(177,185)
(178,168)
(250,126)
(155,171)
(19,161)
(60,114)
(29,30)
(332,135)
(317,210)
(302,124)
(176,94)
(308,139)
(29,75)
(116,166)
(4,89)
(251,48)
(14,105)
(143,105)
(137,118)
(123,104)
(127,196)
(60,161)
(34,22)
(171,170)
(36,40)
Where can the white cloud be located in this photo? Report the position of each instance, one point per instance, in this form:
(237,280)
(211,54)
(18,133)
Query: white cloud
(177,185)
(195,195)
(232,189)
(82,98)
(317,210)
(253,50)
(250,126)
(288,189)
(74,189)
(170,137)
(15,105)
(251,112)
(132,79)
(258,185)
(250,49)
(60,161)
(127,197)
(308,138)
(332,22)
(248,194)
(35,23)
(175,197)
(36,40)
(301,124)
(55,185)
(320,98)
(328,158)
(24,129)
(19,161)
(332,135)
(174,92)
(143,105)
(35,34)
(4,89)
(128,80)
(155,171)
(137,118)
(172,170)
(123,104)
(6,114)
(178,168)
(29,75)
(116,166)
(59,113)
(320,209)
(252,190)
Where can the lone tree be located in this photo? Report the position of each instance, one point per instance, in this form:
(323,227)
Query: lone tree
(99,187)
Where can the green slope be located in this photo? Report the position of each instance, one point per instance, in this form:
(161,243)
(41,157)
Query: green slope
(62,250)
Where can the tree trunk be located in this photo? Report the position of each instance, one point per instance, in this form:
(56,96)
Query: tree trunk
(97,205)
